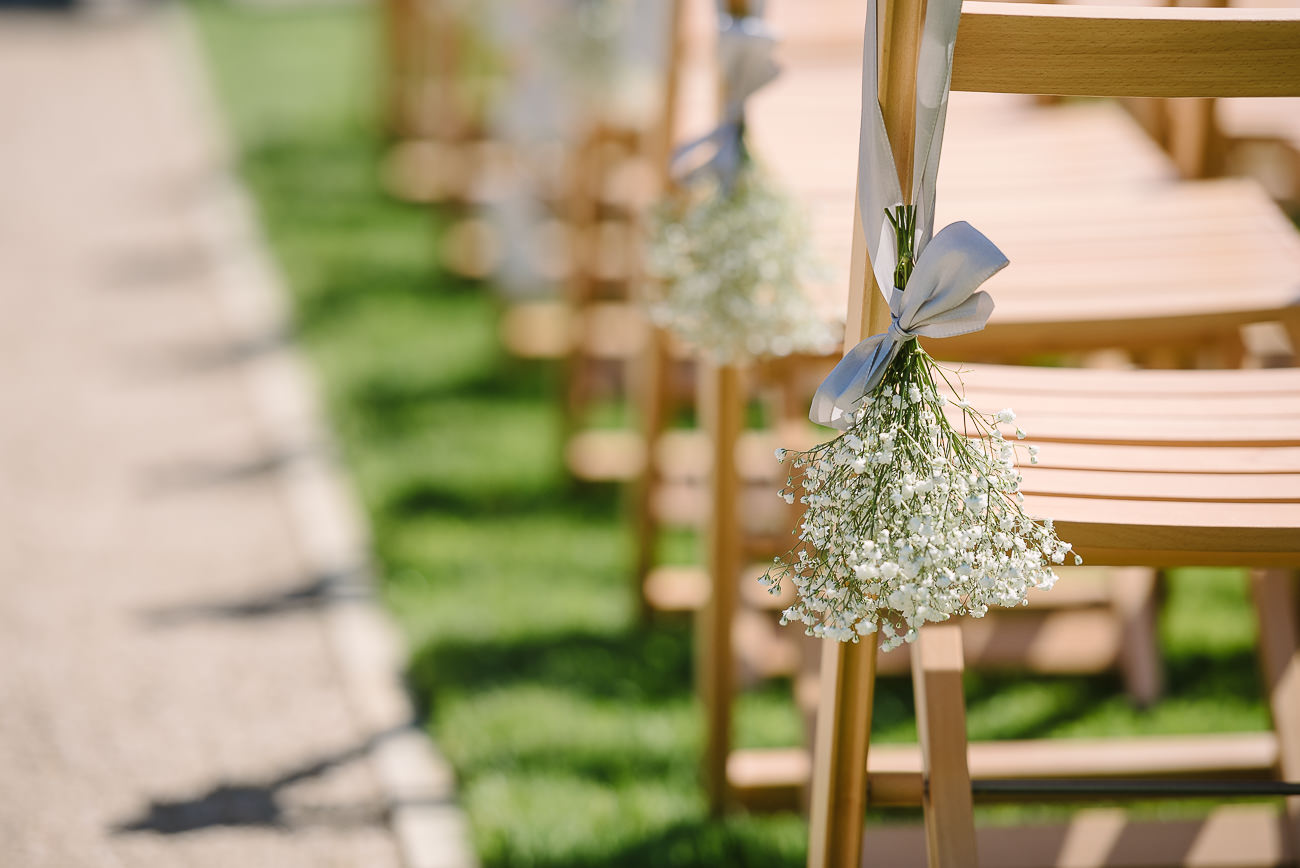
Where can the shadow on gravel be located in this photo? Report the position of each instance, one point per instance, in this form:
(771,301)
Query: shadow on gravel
(259,803)
(194,474)
(314,593)
(210,358)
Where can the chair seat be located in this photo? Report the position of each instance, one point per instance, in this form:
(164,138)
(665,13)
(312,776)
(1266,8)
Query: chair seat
(1151,485)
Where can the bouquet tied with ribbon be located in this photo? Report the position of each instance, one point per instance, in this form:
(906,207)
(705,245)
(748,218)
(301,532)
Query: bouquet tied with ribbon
(914,512)
(731,251)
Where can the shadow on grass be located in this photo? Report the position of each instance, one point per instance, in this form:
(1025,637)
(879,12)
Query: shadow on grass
(1220,678)
(375,278)
(383,397)
(420,497)
(638,665)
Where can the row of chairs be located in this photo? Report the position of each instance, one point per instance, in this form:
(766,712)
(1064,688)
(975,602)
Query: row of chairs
(1078,203)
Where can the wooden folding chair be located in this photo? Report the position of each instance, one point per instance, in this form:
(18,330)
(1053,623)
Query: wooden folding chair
(432,108)
(1134,485)
(611,175)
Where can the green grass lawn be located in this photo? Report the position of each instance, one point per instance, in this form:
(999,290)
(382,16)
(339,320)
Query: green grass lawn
(573,729)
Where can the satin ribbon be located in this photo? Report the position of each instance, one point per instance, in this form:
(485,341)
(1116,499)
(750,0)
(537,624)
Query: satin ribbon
(941,297)
(745,48)
(940,302)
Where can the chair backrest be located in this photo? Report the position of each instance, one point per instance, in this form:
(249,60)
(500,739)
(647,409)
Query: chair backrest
(1032,49)
(1103,51)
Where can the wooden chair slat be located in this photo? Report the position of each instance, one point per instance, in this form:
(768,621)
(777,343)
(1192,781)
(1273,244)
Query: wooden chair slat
(1125,51)
(774,776)
(1121,532)
(1033,382)
(1156,459)
(1048,427)
(1212,488)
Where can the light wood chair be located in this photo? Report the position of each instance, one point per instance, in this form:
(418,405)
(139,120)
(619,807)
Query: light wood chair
(611,175)
(433,107)
(1157,468)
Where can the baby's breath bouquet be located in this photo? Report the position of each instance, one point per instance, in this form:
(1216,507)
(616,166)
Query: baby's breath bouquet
(730,250)
(731,267)
(914,512)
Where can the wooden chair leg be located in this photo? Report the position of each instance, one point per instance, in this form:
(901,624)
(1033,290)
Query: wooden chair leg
(937,667)
(1133,592)
(722,403)
(1279,645)
(839,776)
(1193,142)
(1292,326)
(652,383)
(806,692)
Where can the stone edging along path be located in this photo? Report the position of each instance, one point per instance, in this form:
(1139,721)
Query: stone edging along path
(417,783)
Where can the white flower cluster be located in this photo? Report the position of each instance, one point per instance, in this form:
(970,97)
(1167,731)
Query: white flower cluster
(732,268)
(909,520)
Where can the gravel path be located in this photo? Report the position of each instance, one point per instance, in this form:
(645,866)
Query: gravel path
(171,689)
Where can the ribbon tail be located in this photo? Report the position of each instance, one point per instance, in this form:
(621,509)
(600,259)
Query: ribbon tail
(722,164)
(856,375)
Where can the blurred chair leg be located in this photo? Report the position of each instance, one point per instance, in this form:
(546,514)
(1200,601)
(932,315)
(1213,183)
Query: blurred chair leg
(1279,647)
(651,396)
(1133,593)
(722,403)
